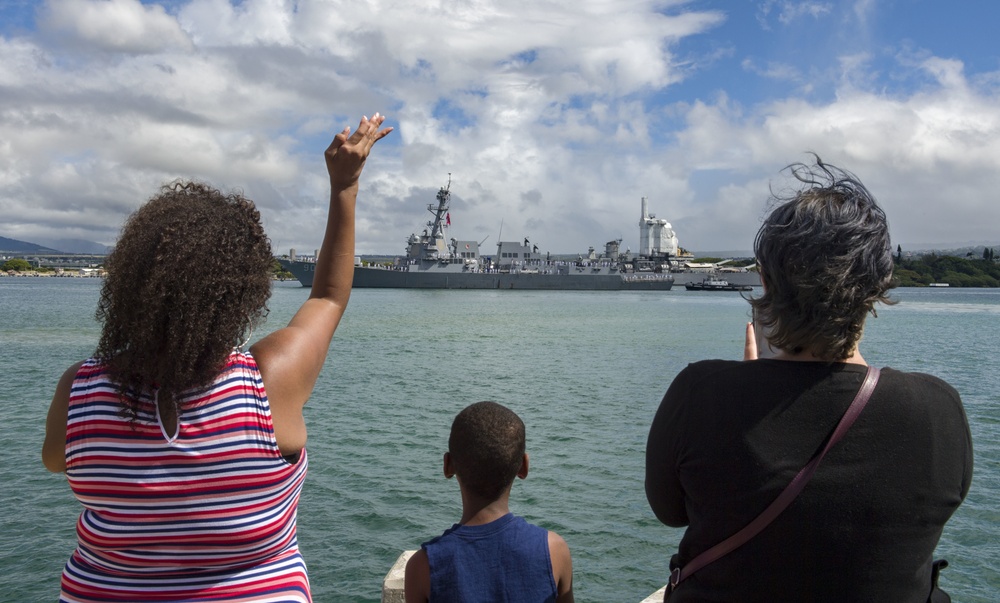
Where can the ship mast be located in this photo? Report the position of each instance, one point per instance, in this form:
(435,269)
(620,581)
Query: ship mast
(443,198)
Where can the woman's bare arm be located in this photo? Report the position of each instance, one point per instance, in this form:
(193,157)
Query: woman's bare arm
(54,446)
(291,358)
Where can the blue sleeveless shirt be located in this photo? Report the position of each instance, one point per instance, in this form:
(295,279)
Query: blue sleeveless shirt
(504,561)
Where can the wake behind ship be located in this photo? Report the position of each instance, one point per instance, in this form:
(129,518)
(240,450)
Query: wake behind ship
(431,262)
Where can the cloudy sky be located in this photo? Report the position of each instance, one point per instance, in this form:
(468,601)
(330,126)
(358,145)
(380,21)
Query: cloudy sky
(553,117)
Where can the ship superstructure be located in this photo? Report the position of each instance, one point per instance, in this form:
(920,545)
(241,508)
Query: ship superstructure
(656,237)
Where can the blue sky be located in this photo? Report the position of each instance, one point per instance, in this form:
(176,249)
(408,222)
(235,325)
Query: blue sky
(554,118)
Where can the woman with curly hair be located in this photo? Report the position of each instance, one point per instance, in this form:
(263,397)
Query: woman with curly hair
(729,436)
(188,453)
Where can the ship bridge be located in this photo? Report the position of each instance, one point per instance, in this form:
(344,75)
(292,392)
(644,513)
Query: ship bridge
(514,252)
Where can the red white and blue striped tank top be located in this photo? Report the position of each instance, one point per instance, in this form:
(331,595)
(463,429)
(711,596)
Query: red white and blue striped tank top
(206,514)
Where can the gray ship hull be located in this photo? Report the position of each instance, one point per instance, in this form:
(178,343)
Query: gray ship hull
(578,279)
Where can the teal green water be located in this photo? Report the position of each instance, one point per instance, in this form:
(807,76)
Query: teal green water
(586,371)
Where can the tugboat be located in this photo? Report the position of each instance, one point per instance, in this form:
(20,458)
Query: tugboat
(711,283)
(432,262)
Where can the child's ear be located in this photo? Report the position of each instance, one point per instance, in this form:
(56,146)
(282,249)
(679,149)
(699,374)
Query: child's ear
(449,471)
(523,471)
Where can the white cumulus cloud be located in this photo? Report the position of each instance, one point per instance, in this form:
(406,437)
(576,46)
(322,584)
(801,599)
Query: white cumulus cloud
(126,26)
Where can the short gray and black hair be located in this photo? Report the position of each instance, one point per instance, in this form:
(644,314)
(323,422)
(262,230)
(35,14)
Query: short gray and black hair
(825,260)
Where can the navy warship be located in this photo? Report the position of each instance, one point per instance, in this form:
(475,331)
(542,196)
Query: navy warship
(431,262)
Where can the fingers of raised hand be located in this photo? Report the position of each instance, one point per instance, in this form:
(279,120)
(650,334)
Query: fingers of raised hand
(368,131)
(346,155)
(338,141)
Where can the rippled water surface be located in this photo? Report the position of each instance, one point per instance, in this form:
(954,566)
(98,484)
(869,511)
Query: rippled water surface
(585,370)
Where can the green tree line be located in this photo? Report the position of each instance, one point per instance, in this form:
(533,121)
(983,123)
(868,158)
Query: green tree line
(923,270)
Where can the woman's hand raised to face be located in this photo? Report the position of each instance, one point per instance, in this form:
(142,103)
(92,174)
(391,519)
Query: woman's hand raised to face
(750,345)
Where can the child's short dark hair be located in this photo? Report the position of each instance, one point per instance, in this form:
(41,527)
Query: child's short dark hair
(487,446)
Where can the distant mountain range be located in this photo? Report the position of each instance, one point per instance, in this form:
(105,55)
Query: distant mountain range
(15,246)
(55,246)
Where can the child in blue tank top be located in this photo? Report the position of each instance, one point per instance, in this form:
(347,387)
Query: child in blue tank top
(491,555)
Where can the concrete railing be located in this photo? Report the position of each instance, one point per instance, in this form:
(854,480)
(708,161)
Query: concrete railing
(392,585)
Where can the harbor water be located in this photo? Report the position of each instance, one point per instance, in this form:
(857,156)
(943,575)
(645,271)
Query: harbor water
(585,370)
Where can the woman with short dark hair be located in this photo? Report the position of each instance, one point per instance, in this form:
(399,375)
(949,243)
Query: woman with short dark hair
(729,436)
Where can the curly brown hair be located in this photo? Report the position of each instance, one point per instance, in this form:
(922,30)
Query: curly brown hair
(188,279)
(825,260)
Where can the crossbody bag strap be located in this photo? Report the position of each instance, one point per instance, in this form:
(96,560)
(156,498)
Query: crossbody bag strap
(787,495)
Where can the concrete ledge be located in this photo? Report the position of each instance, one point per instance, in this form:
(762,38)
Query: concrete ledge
(392,585)
(656,597)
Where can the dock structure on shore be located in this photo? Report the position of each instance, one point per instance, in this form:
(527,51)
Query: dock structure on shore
(392,584)
(71,261)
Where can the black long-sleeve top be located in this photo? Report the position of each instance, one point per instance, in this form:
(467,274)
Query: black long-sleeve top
(729,436)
